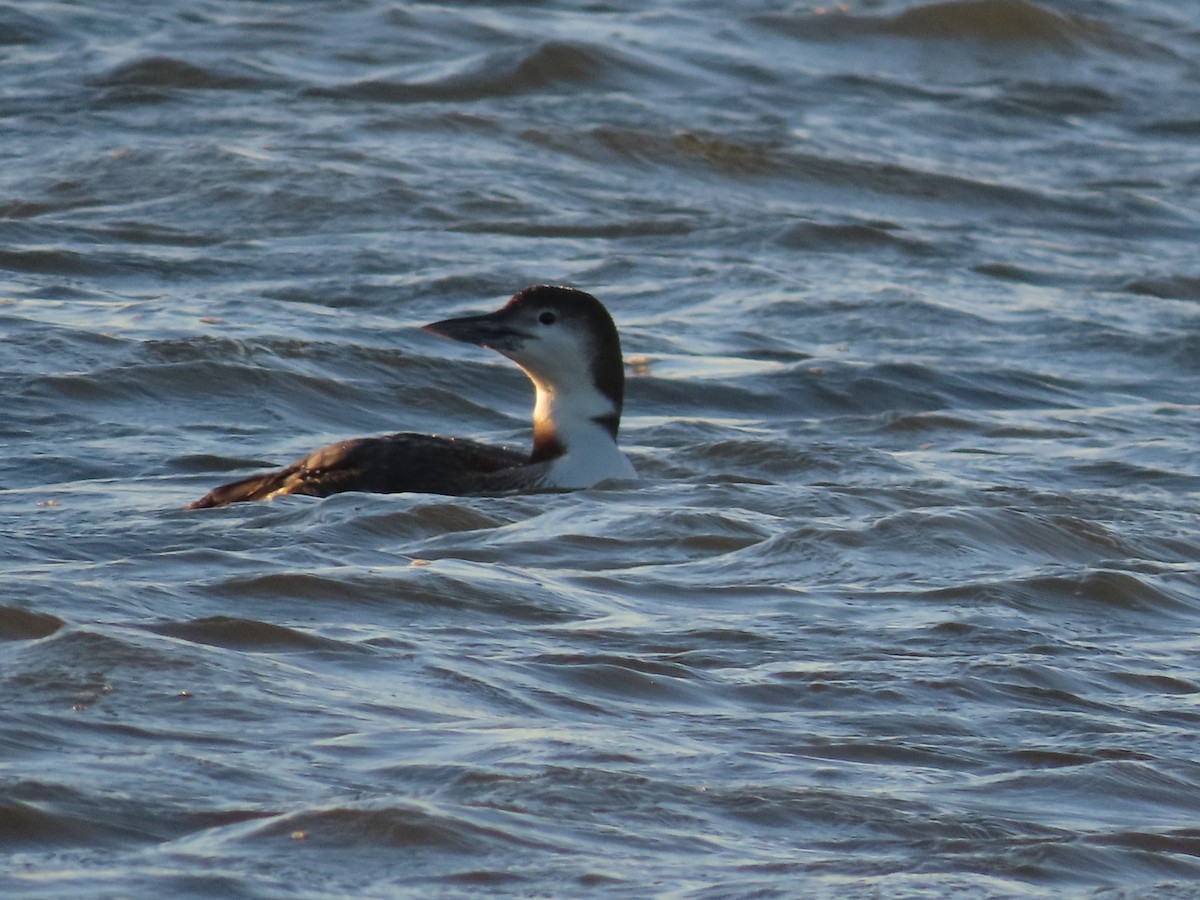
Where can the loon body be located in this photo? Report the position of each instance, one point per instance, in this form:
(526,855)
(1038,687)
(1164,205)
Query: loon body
(567,344)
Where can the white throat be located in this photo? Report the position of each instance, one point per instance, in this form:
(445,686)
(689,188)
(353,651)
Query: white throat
(572,413)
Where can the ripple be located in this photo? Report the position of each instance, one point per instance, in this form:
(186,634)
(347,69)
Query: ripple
(1056,99)
(59,262)
(18,624)
(628,679)
(998,21)
(1088,590)
(549,66)
(27,824)
(854,237)
(1015,23)
(19,28)
(587,229)
(413,827)
(1174,287)
(164,72)
(247,634)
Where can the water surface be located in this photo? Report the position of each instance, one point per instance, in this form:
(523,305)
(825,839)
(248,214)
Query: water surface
(905,604)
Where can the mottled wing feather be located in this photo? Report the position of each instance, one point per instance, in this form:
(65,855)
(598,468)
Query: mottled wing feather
(389,464)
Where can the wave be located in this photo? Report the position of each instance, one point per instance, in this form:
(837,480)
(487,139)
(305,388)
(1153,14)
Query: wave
(20,28)
(997,21)
(158,73)
(780,166)
(1003,23)
(1168,287)
(549,66)
(17,624)
(247,634)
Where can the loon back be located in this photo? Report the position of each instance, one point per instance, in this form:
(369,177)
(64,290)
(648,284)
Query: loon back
(567,344)
(390,464)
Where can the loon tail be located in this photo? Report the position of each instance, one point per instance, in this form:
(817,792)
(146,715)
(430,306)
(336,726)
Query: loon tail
(256,487)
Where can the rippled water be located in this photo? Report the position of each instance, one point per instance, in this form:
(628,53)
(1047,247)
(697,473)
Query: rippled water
(906,603)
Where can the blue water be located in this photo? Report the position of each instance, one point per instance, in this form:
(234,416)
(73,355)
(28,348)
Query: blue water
(906,602)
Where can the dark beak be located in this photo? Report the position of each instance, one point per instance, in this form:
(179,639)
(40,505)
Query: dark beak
(487,331)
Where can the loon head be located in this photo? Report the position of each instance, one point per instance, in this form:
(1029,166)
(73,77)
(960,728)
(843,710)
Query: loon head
(566,342)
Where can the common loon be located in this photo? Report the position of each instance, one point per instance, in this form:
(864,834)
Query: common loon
(565,341)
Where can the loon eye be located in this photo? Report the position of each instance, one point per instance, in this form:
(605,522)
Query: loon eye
(547,318)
